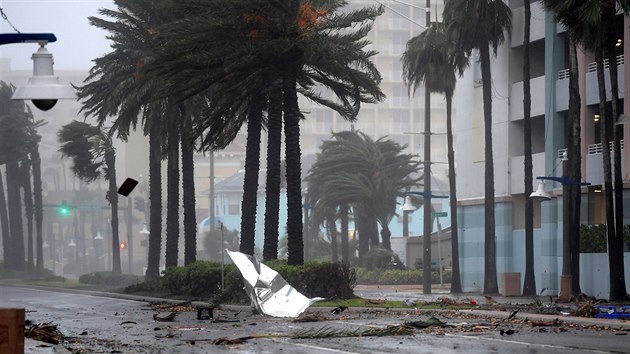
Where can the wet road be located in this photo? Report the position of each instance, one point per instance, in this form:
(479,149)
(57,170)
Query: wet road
(101,324)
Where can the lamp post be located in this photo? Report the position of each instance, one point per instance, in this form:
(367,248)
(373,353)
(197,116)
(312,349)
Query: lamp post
(145,233)
(220,226)
(43,88)
(566,278)
(428,228)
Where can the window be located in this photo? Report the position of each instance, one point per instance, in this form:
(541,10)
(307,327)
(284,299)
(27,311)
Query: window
(323,120)
(234,209)
(399,96)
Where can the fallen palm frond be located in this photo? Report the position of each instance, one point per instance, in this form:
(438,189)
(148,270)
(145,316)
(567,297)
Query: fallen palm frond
(431,322)
(326,332)
(45,332)
(311,317)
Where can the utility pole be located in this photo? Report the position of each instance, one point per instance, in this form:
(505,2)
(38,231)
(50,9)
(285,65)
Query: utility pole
(426,258)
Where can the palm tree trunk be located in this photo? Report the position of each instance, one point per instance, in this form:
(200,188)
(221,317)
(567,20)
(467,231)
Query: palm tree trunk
(332,231)
(155,203)
(15,214)
(385,236)
(172,201)
(4,223)
(188,187)
(28,212)
(272,199)
(345,249)
(250,182)
(529,284)
(293,155)
(112,197)
(490,285)
(618,284)
(605,136)
(38,205)
(456,282)
(575,170)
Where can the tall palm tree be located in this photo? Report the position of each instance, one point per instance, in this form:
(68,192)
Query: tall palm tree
(354,169)
(529,284)
(479,25)
(93,155)
(432,60)
(116,86)
(589,25)
(16,141)
(276,35)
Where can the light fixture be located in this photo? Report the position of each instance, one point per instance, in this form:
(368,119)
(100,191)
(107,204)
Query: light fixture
(43,88)
(98,236)
(596,118)
(623,119)
(619,41)
(72,244)
(598,189)
(408,205)
(539,194)
(144,230)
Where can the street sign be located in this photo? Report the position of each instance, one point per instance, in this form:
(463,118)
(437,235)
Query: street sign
(440,214)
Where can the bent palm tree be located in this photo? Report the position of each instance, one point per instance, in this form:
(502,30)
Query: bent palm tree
(93,156)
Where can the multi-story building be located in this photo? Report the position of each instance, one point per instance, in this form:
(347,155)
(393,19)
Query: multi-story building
(549,90)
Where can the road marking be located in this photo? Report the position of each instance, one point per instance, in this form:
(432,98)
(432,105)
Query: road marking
(310,346)
(550,346)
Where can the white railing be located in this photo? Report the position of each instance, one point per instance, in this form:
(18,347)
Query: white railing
(597,148)
(593,65)
(564,74)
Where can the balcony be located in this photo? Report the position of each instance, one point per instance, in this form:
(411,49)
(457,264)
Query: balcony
(537,24)
(537,94)
(593,168)
(517,172)
(592,93)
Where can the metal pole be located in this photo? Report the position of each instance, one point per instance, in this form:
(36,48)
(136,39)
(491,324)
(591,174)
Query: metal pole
(439,233)
(222,256)
(426,273)
(211,194)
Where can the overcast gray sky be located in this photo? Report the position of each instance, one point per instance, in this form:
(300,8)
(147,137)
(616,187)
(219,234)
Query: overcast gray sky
(77,41)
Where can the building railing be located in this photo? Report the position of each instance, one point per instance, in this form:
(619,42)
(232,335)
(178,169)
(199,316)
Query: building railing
(597,148)
(564,74)
(593,66)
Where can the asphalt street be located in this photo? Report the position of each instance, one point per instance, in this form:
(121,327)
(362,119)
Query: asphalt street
(95,322)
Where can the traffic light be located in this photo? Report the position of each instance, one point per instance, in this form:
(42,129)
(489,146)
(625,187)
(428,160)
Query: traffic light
(64,209)
(123,245)
(139,203)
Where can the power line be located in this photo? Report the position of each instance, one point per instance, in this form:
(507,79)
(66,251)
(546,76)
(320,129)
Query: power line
(400,14)
(4,16)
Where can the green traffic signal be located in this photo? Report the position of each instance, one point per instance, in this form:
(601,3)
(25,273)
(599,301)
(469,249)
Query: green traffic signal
(64,209)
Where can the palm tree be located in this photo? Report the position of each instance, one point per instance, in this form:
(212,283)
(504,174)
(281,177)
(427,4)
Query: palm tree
(275,37)
(529,285)
(16,141)
(479,25)
(370,175)
(431,59)
(590,28)
(93,155)
(116,86)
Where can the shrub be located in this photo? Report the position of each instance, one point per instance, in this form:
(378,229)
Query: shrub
(109,279)
(398,276)
(382,258)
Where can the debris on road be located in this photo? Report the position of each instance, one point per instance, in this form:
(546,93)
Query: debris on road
(431,322)
(44,332)
(167,318)
(269,292)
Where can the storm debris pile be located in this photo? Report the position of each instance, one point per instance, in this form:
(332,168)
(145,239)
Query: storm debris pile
(43,332)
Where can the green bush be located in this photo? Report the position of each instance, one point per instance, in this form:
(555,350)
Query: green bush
(109,279)
(593,238)
(398,276)
(382,258)
(202,280)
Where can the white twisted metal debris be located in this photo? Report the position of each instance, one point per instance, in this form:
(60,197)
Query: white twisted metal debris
(269,292)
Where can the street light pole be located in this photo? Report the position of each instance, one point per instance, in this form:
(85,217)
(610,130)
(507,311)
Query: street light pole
(426,260)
